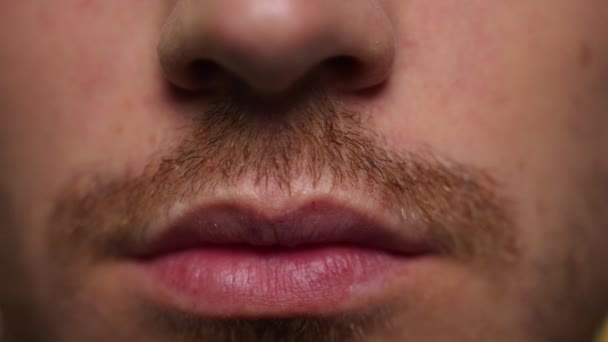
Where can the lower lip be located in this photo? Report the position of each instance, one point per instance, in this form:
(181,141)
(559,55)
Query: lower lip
(239,281)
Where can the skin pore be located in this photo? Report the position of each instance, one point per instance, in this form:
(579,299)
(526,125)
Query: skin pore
(485,121)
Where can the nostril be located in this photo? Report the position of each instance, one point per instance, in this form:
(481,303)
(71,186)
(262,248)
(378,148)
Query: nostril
(343,69)
(343,65)
(204,73)
(203,70)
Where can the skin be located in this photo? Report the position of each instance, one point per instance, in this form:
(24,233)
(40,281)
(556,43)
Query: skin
(518,89)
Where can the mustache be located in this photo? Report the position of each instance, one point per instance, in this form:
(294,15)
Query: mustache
(314,139)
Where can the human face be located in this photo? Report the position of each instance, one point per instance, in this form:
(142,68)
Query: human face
(320,170)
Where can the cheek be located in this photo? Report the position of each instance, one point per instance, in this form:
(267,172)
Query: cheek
(80,84)
(486,82)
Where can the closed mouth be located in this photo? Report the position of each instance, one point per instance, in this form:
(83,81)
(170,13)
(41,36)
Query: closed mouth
(236,261)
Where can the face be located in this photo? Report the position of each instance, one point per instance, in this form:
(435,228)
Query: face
(363,170)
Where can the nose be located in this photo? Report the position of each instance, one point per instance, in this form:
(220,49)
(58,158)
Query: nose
(271,45)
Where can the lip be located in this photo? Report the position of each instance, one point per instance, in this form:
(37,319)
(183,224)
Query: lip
(317,259)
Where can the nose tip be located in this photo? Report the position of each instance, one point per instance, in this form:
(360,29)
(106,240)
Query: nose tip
(270,45)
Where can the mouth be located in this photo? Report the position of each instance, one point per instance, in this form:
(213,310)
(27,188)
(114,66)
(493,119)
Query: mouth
(236,261)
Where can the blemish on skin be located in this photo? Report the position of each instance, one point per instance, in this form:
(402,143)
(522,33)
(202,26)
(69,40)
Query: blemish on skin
(86,4)
(540,208)
(46,21)
(501,100)
(585,57)
(152,140)
(119,130)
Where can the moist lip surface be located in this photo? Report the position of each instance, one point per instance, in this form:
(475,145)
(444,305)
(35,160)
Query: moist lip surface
(228,261)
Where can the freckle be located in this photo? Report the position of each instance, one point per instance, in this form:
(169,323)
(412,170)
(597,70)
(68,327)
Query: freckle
(118,130)
(501,100)
(46,21)
(540,208)
(152,140)
(129,106)
(85,4)
(585,56)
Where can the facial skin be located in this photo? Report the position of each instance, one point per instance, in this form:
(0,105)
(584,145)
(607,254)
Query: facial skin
(487,119)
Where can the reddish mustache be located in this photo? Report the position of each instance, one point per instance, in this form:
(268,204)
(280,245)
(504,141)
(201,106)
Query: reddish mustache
(460,206)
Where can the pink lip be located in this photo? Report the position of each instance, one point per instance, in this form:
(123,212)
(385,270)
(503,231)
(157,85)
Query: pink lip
(227,261)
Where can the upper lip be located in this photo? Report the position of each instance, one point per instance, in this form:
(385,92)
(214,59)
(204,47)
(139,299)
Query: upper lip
(312,224)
